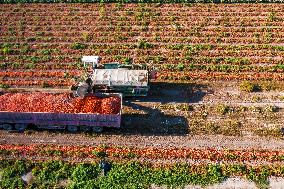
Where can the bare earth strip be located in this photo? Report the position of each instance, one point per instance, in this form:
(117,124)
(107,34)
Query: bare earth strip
(187,141)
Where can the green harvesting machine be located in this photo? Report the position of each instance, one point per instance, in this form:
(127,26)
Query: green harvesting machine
(128,79)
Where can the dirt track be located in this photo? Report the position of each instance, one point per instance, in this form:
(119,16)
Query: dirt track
(141,141)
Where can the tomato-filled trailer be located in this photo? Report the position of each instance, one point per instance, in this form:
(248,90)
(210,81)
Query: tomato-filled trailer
(57,116)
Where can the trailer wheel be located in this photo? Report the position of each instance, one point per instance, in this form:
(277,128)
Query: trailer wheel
(85,128)
(98,129)
(72,128)
(7,127)
(20,127)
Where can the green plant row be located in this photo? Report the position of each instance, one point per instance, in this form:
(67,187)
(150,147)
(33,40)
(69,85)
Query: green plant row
(58,174)
(223,67)
(141,1)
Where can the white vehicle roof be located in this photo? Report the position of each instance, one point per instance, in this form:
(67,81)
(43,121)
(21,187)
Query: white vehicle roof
(90,58)
(120,77)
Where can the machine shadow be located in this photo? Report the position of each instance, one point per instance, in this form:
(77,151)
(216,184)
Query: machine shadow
(147,119)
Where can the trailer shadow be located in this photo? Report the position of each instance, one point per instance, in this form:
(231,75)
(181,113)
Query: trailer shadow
(148,119)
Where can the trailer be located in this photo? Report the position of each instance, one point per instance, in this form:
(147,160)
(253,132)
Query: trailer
(71,121)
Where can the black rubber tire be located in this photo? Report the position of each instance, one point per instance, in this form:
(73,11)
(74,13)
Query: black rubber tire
(72,128)
(98,129)
(85,129)
(7,126)
(20,126)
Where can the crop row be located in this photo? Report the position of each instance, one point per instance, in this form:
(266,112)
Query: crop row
(136,17)
(150,23)
(52,48)
(199,7)
(41,70)
(53,174)
(183,31)
(121,14)
(195,46)
(39,73)
(118,39)
(186,76)
(43,82)
(139,1)
(179,34)
(147,152)
(201,52)
(256,63)
(146,56)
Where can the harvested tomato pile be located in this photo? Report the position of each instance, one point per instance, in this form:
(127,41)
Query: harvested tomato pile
(58,103)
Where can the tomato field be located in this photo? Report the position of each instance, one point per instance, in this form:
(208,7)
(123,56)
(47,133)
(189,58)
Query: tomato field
(41,44)
(215,110)
(125,174)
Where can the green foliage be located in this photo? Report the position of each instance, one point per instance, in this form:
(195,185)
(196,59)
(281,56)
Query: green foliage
(184,107)
(249,87)
(45,51)
(181,175)
(144,45)
(271,108)
(127,60)
(261,179)
(127,175)
(87,37)
(222,109)
(10,175)
(45,85)
(180,67)
(214,174)
(99,154)
(268,86)
(78,46)
(272,16)
(84,173)
(255,109)
(268,132)
(49,173)
(33,59)
(6,50)
(225,68)
(238,169)
(30,66)
(231,128)
(4,86)
(278,47)
(201,127)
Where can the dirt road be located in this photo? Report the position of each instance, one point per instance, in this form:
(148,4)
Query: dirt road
(186,141)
